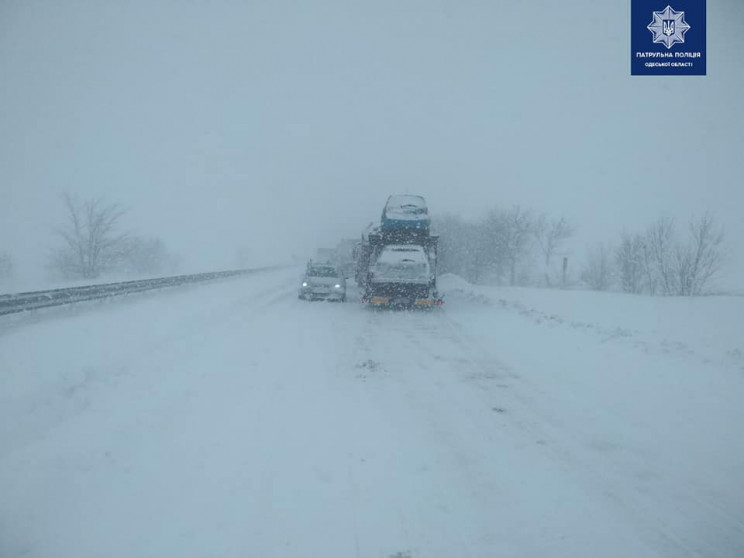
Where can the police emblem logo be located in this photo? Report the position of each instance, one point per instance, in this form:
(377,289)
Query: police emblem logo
(668,27)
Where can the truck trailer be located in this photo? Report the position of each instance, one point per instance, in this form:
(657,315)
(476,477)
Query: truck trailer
(397,262)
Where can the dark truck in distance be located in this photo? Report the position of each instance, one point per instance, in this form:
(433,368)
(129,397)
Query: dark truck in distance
(344,257)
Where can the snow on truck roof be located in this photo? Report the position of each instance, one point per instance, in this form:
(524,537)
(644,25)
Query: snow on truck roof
(400,200)
(400,253)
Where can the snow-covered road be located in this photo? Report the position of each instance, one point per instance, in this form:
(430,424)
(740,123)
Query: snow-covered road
(233,420)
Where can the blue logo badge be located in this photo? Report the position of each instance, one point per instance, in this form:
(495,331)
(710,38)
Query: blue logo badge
(673,43)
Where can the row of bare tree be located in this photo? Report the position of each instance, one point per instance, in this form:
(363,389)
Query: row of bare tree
(93,244)
(503,247)
(659,260)
(517,247)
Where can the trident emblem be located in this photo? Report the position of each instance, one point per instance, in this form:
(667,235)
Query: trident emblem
(668,27)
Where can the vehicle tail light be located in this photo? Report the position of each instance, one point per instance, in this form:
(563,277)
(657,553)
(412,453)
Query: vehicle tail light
(364,300)
(440,302)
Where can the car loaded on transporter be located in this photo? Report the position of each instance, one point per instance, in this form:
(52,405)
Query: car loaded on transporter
(397,260)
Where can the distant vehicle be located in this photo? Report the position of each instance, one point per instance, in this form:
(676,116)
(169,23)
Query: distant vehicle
(322,282)
(405,211)
(363,253)
(325,255)
(345,256)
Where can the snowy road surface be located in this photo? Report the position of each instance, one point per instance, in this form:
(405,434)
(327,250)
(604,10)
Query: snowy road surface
(233,420)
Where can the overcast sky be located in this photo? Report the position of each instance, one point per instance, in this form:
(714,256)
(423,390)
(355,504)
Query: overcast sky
(284,125)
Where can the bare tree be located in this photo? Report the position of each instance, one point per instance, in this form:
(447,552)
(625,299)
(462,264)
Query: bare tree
(518,232)
(511,235)
(659,262)
(497,247)
(92,243)
(629,262)
(549,236)
(650,276)
(488,241)
(598,270)
(660,242)
(455,252)
(469,249)
(700,259)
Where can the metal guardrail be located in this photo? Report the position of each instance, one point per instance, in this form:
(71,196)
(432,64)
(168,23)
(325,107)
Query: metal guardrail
(21,302)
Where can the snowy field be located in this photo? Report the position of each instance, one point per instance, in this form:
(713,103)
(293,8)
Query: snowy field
(233,420)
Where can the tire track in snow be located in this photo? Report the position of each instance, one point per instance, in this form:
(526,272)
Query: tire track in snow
(438,339)
(441,412)
(413,449)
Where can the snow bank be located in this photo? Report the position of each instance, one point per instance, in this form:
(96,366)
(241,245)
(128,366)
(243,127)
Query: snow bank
(710,328)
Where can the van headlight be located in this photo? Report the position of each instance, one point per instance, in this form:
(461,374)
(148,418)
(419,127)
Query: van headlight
(336,286)
(304,283)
